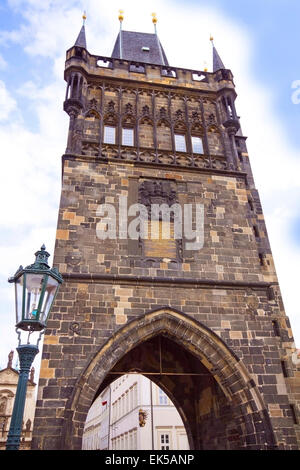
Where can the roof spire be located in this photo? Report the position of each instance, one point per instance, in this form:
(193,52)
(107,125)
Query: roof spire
(154,21)
(121,18)
(217,62)
(81,41)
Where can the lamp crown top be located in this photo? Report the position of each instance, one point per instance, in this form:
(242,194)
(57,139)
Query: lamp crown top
(41,256)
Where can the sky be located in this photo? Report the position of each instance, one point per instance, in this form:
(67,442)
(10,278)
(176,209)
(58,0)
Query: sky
(257,39)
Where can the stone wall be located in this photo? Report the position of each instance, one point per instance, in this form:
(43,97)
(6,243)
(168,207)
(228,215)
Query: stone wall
(223,286)
(220,303)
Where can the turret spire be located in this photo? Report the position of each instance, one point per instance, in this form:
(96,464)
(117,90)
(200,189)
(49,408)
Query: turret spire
(121,18)
(81,40)
(217,61)
(154,21)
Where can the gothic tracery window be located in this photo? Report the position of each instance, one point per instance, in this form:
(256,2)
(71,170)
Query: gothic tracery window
(109,135)
(127,137)
(197,144)
(180,143)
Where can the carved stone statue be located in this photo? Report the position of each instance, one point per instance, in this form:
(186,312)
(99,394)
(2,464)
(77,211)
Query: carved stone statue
(10,359)
(3,403)
(142,417)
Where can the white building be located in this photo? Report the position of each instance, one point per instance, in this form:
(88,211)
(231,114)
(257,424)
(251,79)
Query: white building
(95,435)
(133,413)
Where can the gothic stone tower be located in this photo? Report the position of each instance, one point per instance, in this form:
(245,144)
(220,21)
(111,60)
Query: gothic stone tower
(207,325)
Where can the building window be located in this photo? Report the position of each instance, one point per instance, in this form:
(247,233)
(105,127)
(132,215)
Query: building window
(135,397)
(134,440)
(180,143)
(113,412)
(132,399)
(127,137)
(197,144)
(162,397)
(165,441)
(122,405)
(109,135)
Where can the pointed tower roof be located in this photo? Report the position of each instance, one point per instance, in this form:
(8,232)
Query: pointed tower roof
(141,47)
(81,40)
(217,61)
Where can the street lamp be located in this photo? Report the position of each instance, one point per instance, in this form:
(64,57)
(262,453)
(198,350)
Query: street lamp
(36,287)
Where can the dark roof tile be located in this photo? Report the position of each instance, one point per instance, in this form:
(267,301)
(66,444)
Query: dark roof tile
(132,44)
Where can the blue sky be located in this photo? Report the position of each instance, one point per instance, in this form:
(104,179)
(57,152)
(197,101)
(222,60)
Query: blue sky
(258,40)
(274,25)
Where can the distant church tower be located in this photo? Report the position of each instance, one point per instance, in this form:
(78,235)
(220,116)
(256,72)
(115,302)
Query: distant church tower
(201,315)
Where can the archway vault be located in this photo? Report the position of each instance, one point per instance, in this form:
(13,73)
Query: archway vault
(229,373)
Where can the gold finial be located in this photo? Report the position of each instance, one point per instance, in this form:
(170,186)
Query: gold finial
(211,39)
(121,15)
(205,66)
(84,16)
(154,19)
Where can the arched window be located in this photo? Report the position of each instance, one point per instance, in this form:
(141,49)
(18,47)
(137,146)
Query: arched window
(197,144)
(127,136)
(197,137)
(76,86)
(109,134)
(180,135)
(180,142)
(110,125)
(128,124)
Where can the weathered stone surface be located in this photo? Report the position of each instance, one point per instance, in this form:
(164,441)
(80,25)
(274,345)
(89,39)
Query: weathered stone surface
(212,309)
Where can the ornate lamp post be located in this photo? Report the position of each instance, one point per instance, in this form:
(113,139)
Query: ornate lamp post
(36,287)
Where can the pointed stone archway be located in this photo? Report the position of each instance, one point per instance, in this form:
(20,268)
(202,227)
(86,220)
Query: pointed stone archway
(219,403)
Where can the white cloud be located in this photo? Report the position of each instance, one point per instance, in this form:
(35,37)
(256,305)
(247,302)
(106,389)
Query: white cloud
(32,160)
(7,102)
(3,63)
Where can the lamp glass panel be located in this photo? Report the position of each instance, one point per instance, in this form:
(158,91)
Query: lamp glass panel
(51,287)
(34,283)
(19,297)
